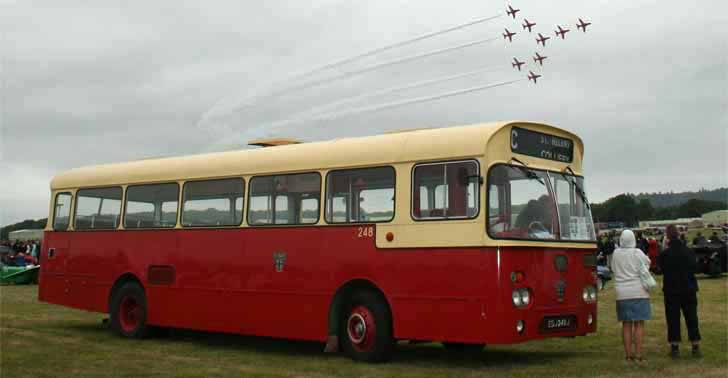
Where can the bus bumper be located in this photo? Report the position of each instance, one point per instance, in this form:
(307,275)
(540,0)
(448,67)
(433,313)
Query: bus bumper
(534,324)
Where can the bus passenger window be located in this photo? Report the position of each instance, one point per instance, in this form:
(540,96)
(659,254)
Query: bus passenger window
(98,209)
(151,206)
(212,203)
(446,190)
(360,195)
(309,212)
(284,199)
(62,212)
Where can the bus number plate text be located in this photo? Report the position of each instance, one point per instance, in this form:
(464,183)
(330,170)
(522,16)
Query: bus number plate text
(558,323)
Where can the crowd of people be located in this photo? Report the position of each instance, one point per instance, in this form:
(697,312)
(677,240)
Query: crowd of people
(653,242)
(700,241)
(21,253)
(633,282)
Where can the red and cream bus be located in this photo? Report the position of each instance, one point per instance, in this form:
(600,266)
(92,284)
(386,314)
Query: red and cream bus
(467,236)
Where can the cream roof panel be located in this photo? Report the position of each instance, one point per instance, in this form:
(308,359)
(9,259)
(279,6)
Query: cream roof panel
(416,145)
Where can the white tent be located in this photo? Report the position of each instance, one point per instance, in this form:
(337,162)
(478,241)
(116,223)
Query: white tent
(24,235)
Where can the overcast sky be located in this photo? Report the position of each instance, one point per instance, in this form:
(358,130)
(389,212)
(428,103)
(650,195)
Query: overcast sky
(95,82)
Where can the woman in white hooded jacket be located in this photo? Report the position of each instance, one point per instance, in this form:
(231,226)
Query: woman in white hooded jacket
(633,301)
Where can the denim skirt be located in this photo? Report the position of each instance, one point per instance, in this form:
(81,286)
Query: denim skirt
(632,310)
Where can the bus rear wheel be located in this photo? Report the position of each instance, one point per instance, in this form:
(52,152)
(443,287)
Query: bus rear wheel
(366,328)
(128,311)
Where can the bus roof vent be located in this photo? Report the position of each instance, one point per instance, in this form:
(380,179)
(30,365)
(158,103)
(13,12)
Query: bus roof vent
(400,131)
(272,142)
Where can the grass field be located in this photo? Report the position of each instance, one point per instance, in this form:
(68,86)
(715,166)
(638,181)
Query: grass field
(40,340)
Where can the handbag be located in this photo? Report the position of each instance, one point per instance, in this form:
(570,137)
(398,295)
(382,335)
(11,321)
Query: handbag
(648,282)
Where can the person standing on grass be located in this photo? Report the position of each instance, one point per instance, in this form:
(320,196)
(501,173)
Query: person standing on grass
(680,288)
(609,250)
(633,301)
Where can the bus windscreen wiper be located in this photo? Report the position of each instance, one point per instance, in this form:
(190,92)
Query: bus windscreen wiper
(577,188)
(527,171)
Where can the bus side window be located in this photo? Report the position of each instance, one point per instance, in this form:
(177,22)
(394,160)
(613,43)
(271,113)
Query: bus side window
(447,190)
(62,212)
(284,199)
(151,206)
(360,195)
(98,208)
(212,203)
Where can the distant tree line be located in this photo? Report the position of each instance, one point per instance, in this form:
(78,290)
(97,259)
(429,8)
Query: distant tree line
(628,209)
(675,199)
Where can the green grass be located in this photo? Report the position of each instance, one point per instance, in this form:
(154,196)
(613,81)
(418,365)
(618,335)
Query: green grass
(41,340)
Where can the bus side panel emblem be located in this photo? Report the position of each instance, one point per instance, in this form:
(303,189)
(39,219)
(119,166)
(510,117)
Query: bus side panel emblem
(279,261)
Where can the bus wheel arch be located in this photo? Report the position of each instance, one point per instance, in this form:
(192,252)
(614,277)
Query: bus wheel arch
(128,307)
(360,295)
(121,280)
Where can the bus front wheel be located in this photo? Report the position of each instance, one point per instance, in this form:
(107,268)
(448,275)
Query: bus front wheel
(366,328)
(128,311)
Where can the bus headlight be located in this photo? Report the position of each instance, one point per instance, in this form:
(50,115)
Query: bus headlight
(525,296)
(521,297)
(520,326)
(589,294)
(517,300)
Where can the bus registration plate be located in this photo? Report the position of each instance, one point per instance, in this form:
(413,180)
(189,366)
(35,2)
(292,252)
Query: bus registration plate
(558,323)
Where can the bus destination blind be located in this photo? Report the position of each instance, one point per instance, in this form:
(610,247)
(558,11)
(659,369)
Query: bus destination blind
(540,145)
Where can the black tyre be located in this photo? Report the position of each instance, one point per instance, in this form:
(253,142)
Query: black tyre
(463,349)
(128,311)
(365,330)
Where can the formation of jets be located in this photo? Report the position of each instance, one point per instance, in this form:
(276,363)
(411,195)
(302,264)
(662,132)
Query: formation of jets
(541,39)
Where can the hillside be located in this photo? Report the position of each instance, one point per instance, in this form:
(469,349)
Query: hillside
(676,199)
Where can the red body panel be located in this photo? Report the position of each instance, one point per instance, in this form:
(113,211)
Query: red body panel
(225,280)
(652,252)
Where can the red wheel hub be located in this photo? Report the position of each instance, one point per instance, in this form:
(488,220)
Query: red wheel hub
(129,314)
(361,328)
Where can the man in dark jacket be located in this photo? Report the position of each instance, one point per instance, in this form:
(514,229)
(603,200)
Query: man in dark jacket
(680,288)
(642,243)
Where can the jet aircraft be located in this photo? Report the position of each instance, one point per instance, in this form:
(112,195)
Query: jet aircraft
(582,25)
(532,76)
(542,40)
(538,58)
(517,64)
(561,32)
(508,35)
(528,25)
